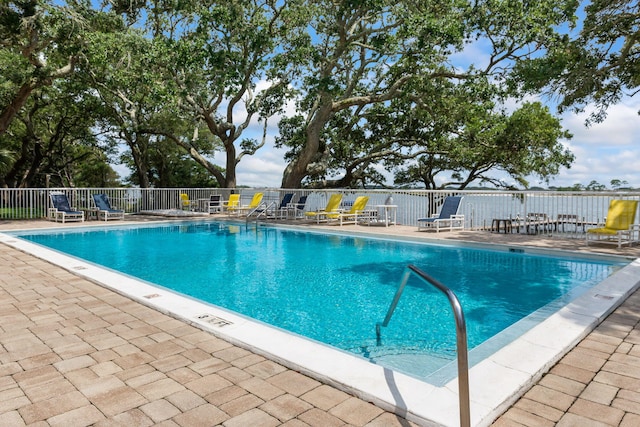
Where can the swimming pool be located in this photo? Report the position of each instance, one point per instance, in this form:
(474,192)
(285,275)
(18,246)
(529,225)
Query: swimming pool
(334,289)
(496,381)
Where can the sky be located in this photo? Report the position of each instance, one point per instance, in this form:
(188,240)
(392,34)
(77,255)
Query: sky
(604,151)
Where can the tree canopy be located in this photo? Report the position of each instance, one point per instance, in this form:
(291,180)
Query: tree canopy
(41,43)
(359,89)
(596,64)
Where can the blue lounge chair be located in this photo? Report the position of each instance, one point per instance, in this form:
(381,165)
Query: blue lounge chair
(62,210)
(282,210)
(296,210)
(448,218)
(104,209)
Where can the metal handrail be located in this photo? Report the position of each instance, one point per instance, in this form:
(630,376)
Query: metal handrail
(261,211)
(461,336)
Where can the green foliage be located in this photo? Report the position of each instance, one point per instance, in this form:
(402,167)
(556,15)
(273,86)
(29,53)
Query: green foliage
(595,186)
(6,160)
(42,41)
(483,142)
(168,166)
(214,55)
(52,141)
(371,53)
(375,83)
(598,66)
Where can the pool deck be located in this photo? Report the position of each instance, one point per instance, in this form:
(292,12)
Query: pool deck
(74,353)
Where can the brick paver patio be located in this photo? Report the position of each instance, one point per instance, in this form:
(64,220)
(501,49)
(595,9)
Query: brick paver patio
(73,353)
(595,384)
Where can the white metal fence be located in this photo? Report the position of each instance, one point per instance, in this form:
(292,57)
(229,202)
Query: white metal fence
(479,207)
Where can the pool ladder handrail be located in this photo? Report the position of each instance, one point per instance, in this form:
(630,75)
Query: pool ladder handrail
(261,211)
(461,336)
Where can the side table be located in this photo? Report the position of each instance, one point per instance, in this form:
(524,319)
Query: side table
(505,223)
(387,214)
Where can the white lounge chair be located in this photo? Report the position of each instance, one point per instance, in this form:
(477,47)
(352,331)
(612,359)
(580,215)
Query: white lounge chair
(214,205)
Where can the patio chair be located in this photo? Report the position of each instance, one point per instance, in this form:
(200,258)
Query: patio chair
(214,205)
(562,220)
(104,210)
(282,210)
(62,210)
(352,215)
(296,210)
(254,205)
(536,222)
(185,203)
(619,228)
(333,206)
(232,203)
(448,218)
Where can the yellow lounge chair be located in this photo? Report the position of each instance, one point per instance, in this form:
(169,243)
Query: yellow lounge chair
(351,216)
(256,200)
(333,206)
(619,227)
(232,203)
(185,203)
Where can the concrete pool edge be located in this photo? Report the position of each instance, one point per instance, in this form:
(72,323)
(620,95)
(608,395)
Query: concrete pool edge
(495,382)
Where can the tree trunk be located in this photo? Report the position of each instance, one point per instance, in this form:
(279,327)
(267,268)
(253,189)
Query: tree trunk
(296,171)
(16,104)
(230,172)
(34,167)
(139,158)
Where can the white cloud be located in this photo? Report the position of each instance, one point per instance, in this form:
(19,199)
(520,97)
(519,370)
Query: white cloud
(604,151)
(619,128)
(264,169)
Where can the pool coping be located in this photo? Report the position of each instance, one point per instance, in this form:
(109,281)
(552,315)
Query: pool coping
(495,383)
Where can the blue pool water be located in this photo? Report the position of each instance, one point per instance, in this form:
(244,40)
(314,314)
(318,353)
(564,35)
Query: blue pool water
(334,288)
